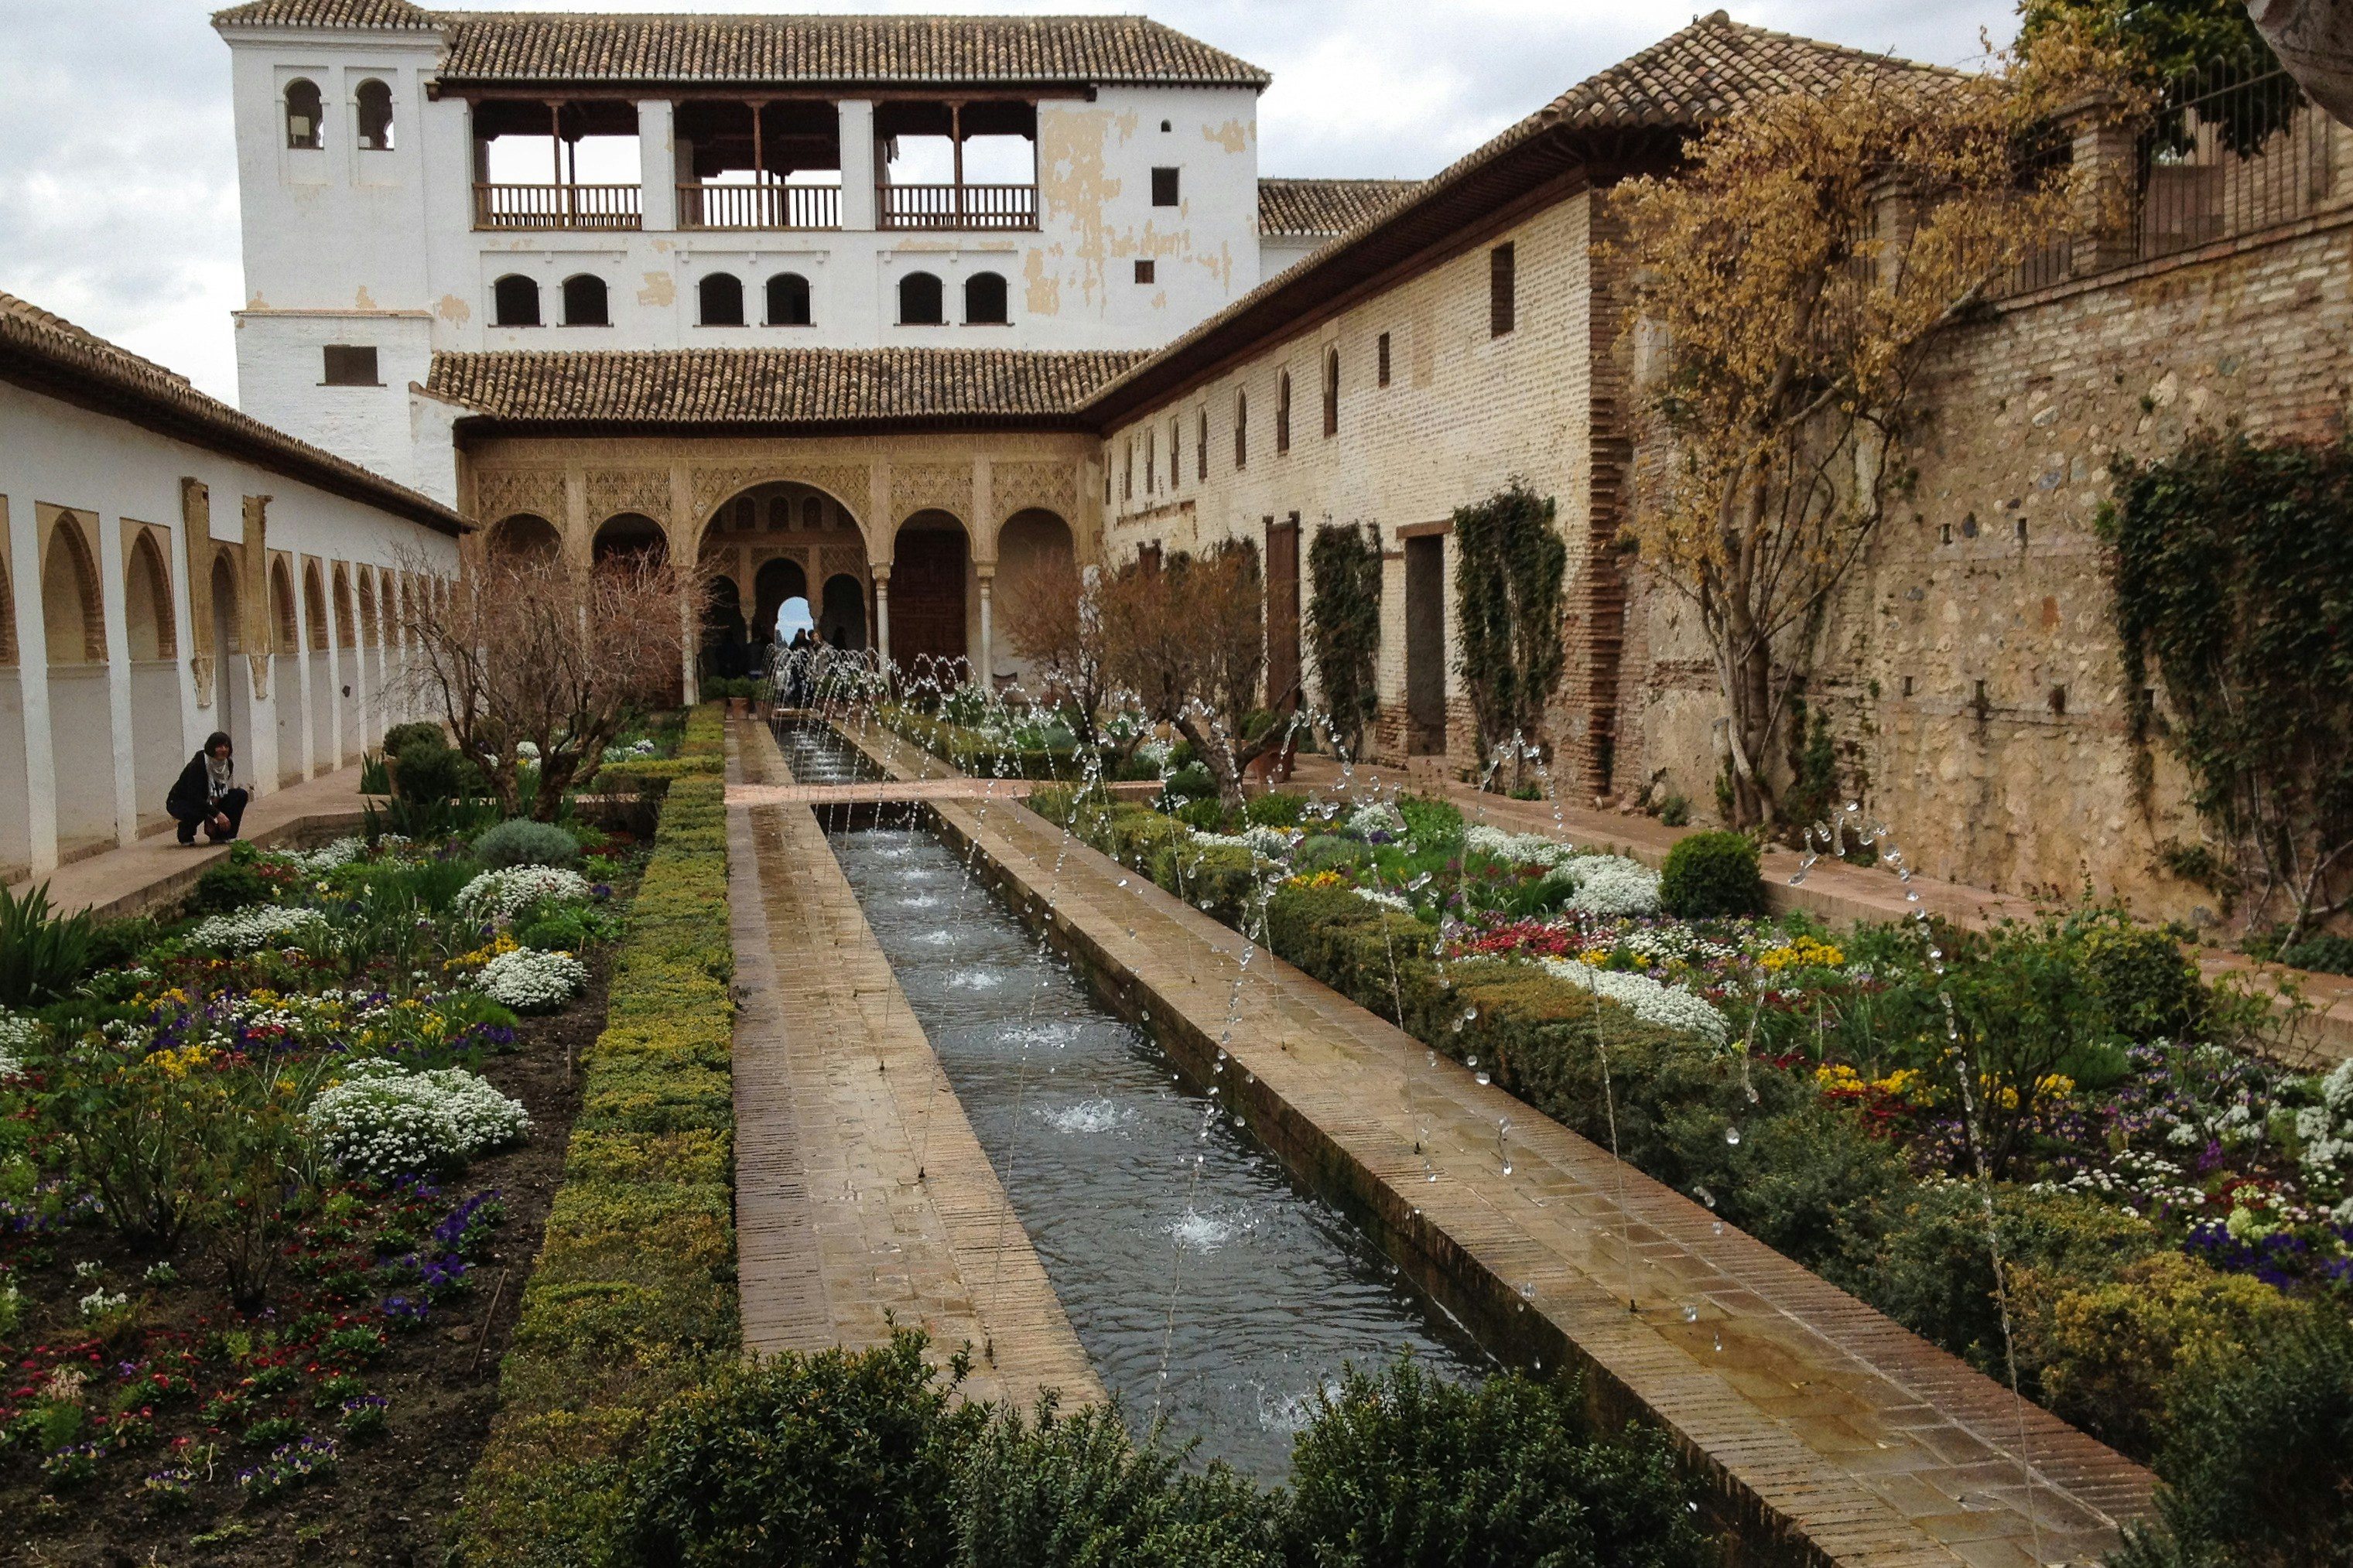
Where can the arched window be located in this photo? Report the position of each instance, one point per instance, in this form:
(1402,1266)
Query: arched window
(812,514)
(369,631)
(303,113)
(514,302)
(346,634)
(584,302)
(920,304)
(1242,429)
(1282,414)
(282,604)
(720,297)
(789,300)
(147,601)
(69,600)
(374,101)
(1331,392)
(984,299)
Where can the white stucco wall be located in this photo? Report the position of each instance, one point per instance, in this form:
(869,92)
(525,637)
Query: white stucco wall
(83,746)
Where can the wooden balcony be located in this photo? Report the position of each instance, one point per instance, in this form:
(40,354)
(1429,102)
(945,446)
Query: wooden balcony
(759,206)
(957,206)
(558,206)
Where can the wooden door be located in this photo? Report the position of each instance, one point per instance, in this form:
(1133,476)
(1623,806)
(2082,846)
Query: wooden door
(1282,613)
(927,601)
(1425,646)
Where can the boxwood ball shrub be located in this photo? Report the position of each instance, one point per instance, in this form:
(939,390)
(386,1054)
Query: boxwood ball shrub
(523,842)
(1709,874)
(230,886)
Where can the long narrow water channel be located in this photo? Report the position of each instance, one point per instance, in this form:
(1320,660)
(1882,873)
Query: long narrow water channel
(1175,1241)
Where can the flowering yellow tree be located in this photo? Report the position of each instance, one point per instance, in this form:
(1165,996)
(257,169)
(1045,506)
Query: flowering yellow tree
(1795,276)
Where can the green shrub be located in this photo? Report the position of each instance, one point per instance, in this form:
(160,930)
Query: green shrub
(1326,851)
(1207,813)
(1220,880)
(2324,954)
(1429,822)
(1675,811)
(230,886)
(1277,808)
(836,1458)
(42,953)
(1709,875)
(2147,984)
(520,841)
(113,944)
(433,772)
(1405,1468)
(1062,1493)
(1191,782)
(400,737)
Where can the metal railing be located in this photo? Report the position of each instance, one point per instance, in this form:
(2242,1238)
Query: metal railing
(2229,154)
(759,206)
(957,206)
(558,206)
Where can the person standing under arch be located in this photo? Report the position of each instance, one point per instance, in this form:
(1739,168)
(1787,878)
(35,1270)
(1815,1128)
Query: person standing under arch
(207,794)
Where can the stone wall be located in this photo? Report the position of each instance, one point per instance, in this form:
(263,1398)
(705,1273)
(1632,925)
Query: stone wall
(1970,670)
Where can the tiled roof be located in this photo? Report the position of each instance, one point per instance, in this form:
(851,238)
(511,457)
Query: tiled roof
(1708,70)
(328,14)
(1324,207)
(51,355)
(773,386)
(526,46)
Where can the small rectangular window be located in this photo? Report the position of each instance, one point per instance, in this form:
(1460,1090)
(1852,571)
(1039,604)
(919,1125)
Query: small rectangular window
(1502,314)
(1201,448)
(1384,360)
(1163,187)
(1176,452)
(350,366)
(1144,272)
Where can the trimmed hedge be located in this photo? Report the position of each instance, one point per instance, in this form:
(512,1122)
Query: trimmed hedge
(633,1295)
(702,752)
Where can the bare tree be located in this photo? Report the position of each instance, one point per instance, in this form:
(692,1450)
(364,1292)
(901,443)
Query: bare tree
(1190,640)
(1052,618)
(525,649)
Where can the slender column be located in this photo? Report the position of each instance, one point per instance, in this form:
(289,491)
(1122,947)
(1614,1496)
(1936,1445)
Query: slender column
(985,667)
(859,175)
(24,545)
(883,612)
(113,600)
(657,164)
(305,678)
(956,138)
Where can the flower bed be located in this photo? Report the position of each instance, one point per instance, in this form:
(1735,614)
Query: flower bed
(633,1297)
(1816,1092)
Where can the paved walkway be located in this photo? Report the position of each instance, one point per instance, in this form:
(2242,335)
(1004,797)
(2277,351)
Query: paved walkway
(158,869)
(1824,1423)
(862,1196)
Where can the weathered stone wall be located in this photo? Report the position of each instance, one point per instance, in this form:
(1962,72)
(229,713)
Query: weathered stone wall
(1970,669)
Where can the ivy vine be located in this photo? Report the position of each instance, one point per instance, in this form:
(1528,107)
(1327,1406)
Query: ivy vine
(2233,585)
(1344,626)
(1509,567)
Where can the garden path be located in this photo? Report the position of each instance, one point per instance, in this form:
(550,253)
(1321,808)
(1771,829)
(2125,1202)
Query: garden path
(1824,1424)
(862,1196)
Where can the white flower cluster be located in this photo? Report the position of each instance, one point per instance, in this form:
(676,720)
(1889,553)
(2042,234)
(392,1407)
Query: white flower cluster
(2326,1129)
(17,1037)
(383,1120)
(98,1303)
(1669,1006)
(1154,753)
(530,981)
(342,852)
(259,926)
(500,895)
(1387,901)
(635,750)
(1667,944)
(1377,816)
(1519,848)
(1611,886)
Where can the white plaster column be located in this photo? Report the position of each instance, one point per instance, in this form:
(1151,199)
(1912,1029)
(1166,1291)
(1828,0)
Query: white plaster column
(302,682)
(657,164)
(114,603)
(985,667)
(24,543)
(883,612)
(857,171)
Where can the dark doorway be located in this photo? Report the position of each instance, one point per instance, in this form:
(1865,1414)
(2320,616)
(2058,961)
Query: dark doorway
(1425,646)
(777,581)
(927,573)
(724,651)
(843,616)
(1282,613)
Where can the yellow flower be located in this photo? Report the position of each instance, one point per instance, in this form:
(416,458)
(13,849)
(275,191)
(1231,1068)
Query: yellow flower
(1804,953)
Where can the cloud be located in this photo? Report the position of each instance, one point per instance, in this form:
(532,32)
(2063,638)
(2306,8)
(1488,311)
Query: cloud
(118,176)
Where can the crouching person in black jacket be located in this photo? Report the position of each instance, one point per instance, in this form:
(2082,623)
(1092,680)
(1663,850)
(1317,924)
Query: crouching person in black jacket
(206,794)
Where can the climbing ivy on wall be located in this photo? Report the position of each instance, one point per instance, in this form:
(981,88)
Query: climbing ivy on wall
(2233,582)
(1343,625)
(1509,566)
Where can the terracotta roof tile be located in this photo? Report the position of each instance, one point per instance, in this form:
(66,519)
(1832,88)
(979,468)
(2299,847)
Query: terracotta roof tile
(328,14)
(1324,207)
(50,354)
(772,386)
(524,46)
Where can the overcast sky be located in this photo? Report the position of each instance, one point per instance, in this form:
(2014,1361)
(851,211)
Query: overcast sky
(117,179)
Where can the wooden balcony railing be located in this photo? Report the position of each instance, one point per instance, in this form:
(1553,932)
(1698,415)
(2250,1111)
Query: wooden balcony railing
(957,206)
(759,206)
(558,206)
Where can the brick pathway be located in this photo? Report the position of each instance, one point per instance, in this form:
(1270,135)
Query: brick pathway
(1827,1426)
(862,1196)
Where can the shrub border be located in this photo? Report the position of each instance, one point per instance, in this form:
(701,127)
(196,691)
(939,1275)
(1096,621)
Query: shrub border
(633,1294)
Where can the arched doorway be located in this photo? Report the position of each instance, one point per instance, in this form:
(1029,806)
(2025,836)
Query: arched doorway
(779,580)
(723,631)
(82,734)
(631,534)
(929,562)
(287,687)
(1033,547)
(775,539)
(232,696)
(525,535)
(152,637)
(842,617)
